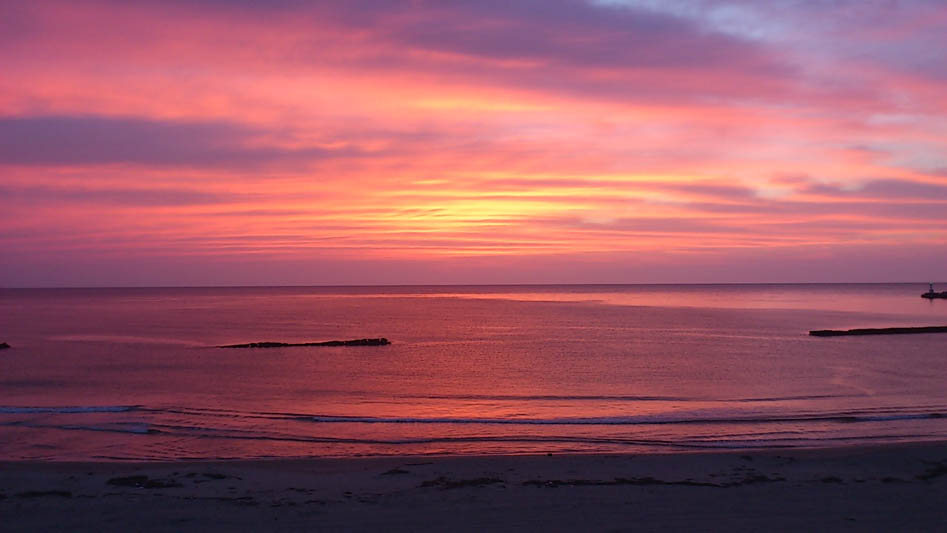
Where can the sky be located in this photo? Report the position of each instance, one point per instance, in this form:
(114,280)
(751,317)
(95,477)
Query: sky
(288,142)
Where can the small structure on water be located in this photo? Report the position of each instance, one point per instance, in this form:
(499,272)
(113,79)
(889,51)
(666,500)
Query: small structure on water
(930,294)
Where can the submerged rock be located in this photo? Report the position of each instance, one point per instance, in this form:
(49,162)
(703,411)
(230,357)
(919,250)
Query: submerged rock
(269,344)
(143,482)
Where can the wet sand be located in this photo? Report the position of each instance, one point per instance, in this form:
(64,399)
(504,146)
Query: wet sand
(897,487)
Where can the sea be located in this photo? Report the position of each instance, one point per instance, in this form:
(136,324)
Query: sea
(136,374)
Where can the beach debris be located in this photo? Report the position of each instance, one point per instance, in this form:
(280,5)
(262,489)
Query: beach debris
(270,344)
(143,482)
(877,331)
(444,483)
(42,493)
(638,481)
(934,470)
(646,481)
(207,476)
(240,500)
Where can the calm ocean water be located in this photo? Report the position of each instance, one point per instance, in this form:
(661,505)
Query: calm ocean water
(133,374)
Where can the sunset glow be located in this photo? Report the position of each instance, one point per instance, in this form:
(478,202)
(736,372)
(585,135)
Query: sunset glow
(349,142)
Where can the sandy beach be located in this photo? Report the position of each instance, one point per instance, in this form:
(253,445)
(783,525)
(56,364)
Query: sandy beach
(898,487)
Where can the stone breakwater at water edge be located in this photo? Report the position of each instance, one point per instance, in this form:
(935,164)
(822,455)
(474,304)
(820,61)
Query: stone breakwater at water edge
(270,344)
(878,331)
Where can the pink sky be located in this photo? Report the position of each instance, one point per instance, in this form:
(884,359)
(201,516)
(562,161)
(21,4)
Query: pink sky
(473,141)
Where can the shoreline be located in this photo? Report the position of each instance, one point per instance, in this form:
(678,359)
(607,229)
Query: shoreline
(884,486)
(650,452)
(487,456)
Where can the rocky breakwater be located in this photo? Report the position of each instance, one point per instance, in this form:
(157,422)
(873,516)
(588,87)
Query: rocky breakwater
(381,341)
(877,331)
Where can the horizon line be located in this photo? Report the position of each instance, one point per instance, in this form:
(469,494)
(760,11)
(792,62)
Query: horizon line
(402,285)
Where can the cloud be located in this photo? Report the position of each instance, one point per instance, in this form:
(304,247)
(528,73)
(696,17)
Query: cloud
(568,47)
(574,32)
(887,189)
(90,140)
(569,32)
(35,195)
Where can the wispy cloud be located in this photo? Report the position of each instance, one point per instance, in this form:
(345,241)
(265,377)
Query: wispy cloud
(84,140)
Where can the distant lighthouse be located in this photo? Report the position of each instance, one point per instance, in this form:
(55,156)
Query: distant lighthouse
(930,294)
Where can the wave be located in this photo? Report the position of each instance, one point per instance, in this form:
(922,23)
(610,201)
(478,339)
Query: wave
(171,432)
(693,417)
(623,420)
(138,429)
(69,409)
(869,414)
(541,397)
(628,398)
(584,442)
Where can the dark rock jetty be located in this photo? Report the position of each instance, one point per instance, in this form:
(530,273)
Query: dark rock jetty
(4,345)
(877,331)
(355,342)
